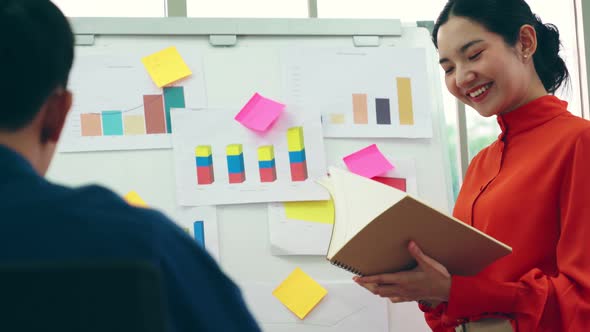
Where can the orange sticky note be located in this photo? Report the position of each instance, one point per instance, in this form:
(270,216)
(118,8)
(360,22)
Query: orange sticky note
(300,293)
(134,199)
(166,66)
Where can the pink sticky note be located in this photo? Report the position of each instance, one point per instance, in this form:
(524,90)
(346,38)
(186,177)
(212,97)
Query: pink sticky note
(259,113)
(368,162)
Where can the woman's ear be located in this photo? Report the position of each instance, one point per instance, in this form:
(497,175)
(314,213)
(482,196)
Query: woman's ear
(527,42)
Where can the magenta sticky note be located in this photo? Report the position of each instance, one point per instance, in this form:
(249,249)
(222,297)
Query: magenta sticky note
(259,113)
(368,162)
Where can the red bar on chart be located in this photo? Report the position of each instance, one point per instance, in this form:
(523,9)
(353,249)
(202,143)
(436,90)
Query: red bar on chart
(397,183)
(205,175)
(155,120)
(298,171)
(90,124)
(237,177)
(268,174)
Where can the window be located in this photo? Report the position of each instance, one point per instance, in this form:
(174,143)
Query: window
(249,8)
(112,8)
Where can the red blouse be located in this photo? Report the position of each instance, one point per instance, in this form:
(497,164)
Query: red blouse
(531,190)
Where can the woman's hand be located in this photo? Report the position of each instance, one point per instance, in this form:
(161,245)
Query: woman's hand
(429,281)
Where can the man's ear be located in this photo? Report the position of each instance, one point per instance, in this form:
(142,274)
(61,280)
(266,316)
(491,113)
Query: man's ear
(55,110)
(527,40)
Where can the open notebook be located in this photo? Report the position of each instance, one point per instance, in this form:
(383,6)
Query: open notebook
(375,222)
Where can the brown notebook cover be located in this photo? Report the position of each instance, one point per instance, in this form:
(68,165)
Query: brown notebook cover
(378,244)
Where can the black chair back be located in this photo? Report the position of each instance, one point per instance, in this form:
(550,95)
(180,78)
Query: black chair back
(81,297)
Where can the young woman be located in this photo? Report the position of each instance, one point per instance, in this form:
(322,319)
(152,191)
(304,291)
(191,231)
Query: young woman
(529,189)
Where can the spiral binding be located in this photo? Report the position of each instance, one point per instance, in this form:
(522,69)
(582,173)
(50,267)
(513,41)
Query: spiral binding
(347,268)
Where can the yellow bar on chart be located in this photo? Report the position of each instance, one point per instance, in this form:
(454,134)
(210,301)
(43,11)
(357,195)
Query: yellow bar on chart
(203,151)
(295,139)
(337,118)
(233,149)
(266,153)
(404,101)
(134,125)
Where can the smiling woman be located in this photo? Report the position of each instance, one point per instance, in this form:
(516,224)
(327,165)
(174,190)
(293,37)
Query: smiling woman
(527,189)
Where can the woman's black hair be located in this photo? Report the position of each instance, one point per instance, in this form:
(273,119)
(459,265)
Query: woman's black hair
(505,18)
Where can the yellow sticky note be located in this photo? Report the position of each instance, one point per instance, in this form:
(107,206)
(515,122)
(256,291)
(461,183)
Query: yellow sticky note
(300,293)
(166,66)
(314,211)
(134,199)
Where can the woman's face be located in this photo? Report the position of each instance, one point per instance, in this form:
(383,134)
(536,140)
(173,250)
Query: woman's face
(481,70)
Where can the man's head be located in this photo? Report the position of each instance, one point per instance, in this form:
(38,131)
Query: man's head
(36,55)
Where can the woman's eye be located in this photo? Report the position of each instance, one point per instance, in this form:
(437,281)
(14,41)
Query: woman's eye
(476,55)
(449,70)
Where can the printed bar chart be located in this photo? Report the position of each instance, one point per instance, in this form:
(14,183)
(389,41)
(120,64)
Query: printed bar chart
(383,111)
(199,230)
(297,161)
(112,123)
(204,160)
(359,108)
(173,98)
(382,107)
(155,118)
(404,100)
(235,163)
(266,163)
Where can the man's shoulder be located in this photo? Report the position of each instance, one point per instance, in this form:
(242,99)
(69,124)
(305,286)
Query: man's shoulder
(97,202)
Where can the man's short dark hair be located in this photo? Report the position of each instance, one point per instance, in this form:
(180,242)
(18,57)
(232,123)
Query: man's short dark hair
(36,54)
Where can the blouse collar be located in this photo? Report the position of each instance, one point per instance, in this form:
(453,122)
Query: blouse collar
(530,115)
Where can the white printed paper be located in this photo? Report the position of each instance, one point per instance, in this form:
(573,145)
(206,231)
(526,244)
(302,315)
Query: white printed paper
(218,129)
(108,111)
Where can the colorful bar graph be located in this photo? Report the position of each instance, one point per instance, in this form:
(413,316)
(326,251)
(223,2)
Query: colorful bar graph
(383,111)
(199,230)
(134,125)
(112,123)
(91,124)
(266,163)
(173,98)
(297,161)
(204,160)
(404,100)
(155,118)
(359,108)
(235,163)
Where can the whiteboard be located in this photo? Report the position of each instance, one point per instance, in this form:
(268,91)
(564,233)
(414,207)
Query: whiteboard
(233,74)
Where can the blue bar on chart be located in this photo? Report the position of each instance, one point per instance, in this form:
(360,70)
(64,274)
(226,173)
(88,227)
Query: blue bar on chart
(383,111)
(173,98)
(199,230)
(112,123)
(235,163)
